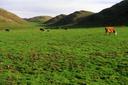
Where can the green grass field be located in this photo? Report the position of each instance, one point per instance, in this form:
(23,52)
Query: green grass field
(63,57)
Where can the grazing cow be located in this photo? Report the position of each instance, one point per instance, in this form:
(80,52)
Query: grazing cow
(109,30)
(7,30)
(42,29)
(65,28)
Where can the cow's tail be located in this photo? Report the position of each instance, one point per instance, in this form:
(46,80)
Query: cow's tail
(115,33)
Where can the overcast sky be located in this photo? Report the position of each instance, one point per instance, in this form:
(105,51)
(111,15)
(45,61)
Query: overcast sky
(30,8)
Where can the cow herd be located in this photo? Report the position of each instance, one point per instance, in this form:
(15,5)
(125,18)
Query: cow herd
(108,30)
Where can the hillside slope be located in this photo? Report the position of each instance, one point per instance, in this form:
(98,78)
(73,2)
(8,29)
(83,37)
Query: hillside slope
(115,15)
(8,19)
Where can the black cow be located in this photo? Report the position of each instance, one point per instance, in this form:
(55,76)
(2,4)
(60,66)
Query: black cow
(7,30)
(65,28)
(42,29)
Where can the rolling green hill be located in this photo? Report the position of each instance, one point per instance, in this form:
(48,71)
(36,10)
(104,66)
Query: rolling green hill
(55,19)
(69,19)
(72,18)
(39,19)
(10,20)
(115,15)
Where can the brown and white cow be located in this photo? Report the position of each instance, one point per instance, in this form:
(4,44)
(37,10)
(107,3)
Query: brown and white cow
(110,30)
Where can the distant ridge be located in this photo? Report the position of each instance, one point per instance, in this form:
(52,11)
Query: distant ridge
(116,15)
(55,19)
(70,19)
(39,19)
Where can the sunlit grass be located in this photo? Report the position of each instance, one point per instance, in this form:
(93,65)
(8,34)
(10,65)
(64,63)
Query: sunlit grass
(63,57)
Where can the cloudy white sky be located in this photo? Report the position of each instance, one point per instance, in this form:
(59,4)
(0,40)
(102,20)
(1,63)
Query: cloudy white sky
(30,8)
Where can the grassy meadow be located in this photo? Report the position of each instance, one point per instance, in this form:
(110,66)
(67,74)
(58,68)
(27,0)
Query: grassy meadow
(63,57)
